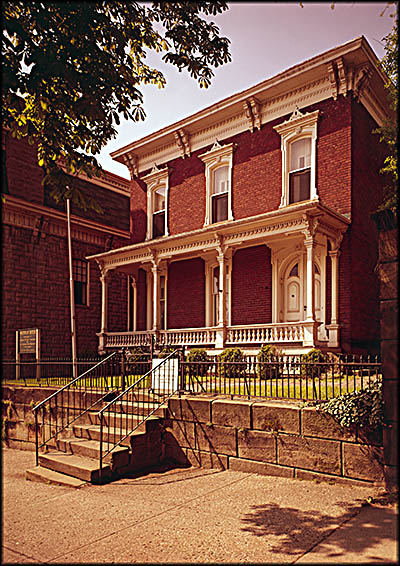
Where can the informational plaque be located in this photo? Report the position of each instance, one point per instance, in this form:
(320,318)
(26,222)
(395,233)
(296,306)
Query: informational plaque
(165,377)
(27,341)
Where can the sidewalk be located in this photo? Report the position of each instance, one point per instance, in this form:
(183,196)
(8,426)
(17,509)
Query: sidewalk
(192,516)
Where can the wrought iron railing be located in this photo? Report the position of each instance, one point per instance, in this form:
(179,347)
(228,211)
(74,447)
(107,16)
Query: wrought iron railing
(282,377)
(131,408)
(63,407)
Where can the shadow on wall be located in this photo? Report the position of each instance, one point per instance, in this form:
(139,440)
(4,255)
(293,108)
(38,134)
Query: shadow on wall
(297,531)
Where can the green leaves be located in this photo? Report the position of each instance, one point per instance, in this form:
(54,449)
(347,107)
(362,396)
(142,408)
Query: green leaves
(70,69)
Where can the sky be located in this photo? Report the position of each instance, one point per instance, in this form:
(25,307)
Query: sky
(266,39)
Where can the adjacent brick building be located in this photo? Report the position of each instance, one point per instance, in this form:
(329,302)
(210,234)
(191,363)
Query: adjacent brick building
(35,275)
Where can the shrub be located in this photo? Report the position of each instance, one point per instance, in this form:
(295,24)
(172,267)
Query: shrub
(269,366)
(362,408)
(166,351)
(231,363)
(137,361)
(308,361)
(199,362)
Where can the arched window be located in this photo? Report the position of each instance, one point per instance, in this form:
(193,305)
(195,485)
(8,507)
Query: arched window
(299,170)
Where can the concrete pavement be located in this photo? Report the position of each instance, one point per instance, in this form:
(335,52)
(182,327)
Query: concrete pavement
(192,516)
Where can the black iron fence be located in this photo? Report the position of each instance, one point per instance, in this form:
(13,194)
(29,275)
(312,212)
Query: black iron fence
(284,376)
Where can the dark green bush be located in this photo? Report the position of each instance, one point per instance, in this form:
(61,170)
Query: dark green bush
(268,364)
(231,363)
(199,362)
(137,361)
(166,351)
(362,408)
(308,361)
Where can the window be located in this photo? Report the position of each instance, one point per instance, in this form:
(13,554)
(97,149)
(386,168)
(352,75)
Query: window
(80,277)
(162,301)
(219,197)
(299,171)
(298,145)
(157,202)
(218,171)
(159,212)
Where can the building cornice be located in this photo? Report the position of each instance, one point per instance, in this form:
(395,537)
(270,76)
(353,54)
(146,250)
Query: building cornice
(349,67)
(23,214)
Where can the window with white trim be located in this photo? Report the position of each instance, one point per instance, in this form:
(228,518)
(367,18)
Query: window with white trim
(298,145)
(157,203)
(218,171)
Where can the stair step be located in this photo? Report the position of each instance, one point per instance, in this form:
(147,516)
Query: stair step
(45,475)
(89,448)
(76,466)
(92,432)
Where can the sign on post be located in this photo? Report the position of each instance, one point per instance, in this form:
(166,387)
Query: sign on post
(28,342)
(165,377)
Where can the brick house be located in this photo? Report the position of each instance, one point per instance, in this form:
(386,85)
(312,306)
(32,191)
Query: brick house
(35,275)
(251,219)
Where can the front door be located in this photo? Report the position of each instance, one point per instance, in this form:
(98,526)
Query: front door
(293,293)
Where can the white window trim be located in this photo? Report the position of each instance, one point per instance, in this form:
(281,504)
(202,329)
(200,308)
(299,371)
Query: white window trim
(210,265)
(154,180)
(218,156)
(297,127)
(87,304)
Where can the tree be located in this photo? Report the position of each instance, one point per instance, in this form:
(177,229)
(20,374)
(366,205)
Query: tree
(71,68)
(388,130)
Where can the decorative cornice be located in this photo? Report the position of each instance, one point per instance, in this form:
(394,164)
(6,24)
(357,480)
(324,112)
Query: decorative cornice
(297,120)
(131,161)
(183,142)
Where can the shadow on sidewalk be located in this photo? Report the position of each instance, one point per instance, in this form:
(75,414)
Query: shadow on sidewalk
(295,530)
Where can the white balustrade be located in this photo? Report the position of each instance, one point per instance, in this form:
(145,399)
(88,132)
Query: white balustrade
(247,334)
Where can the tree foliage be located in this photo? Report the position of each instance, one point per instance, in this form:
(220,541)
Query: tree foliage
(71,68)
(389,130)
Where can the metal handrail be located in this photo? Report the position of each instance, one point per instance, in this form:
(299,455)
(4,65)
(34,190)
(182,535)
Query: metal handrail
(116,399)
(54,396)
(71,382)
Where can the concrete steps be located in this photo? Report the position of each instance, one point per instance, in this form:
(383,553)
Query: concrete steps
(73,459)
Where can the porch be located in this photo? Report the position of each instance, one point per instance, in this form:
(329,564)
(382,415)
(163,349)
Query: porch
(191,289)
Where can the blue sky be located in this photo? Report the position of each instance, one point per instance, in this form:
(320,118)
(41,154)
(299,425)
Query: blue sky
(266,38)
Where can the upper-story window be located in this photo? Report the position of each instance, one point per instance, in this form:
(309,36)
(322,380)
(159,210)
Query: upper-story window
(159,212)
(220,194)
(218,170)
(300,170)
(157,202)
(298,145)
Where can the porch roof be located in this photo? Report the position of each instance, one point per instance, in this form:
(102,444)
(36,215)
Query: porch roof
(265,228)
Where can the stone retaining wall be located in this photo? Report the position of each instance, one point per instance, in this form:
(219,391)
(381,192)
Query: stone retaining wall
(269,437)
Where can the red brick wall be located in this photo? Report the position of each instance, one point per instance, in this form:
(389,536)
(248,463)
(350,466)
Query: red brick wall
(138,211)
(186,294)
(35,294)
(367,183)
(251,286)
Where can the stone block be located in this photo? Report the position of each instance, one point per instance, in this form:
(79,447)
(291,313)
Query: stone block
(370,436)
(194,409)
(176,453)
(390,359)
(276,415)
(389,319)
(391,478)
(216,439)
(387,273)
(257,445)
(255,467)
(309,453)
(180,433)
(390,397)
(363,462)
(201,459)
(391,446)
(231,412)
(318,477)
(320,424)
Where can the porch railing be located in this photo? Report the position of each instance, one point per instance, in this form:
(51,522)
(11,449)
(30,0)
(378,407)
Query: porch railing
(266,333)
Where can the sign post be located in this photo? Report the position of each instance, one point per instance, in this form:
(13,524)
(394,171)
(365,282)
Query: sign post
(27,342)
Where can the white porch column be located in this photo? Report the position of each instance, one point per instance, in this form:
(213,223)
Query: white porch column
(220,340)
(104,276)
(333,327)
(149,295)
(310,326)
(156,293)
